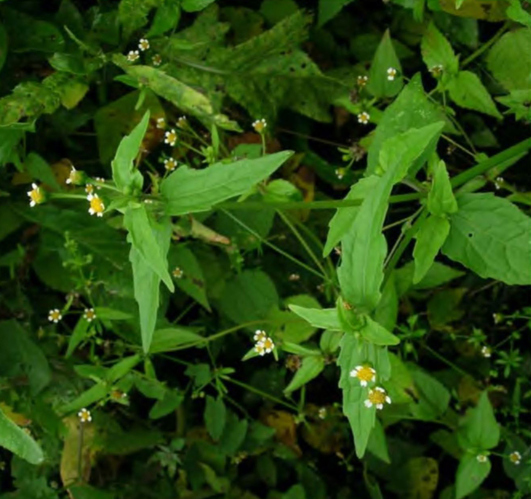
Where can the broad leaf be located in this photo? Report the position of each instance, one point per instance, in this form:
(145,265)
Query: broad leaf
(433,397)
(16,440)
(166,18)
(215,416)
(441,199)
(124,172)
(385,58)
(311,367)
(437,51)
(195,5)
(377,334)
(79,334)
(191,191)
(478,429)
(141,236)
(133,14)
(328,9)
(430,237)
(467,91)
(343,218)
(516,12)
(364,246)
(490,236)
(470,475)
(322,318)
(175,338)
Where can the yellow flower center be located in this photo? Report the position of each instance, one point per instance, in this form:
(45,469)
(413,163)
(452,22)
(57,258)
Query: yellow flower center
(171,137)
(36,196)
(90,315)
(170,164)
(177,273)
(268,343)
(259,126)
(55,315)
(376,397)
(515,457)
(97,204)
(366,374)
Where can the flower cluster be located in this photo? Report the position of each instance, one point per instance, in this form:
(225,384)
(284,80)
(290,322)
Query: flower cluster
(362,80)
(377,396)
(391,74)
(260,125)
(143,46)
(36,195)
(263,343)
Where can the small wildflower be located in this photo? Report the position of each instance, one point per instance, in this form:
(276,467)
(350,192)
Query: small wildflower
(177,273)
(340,173)
(133,55)
(436,70)
(89,314)
(259,335)
(482,458)
(515,457)
(264,346)
(238,458)
(170,164)
(377,397)
(260,125)
(54,315)
(96,205)
(182,122)
(391,74)
(161,123)
(36,195)
(84,416)
(365,374)
(101,180)
(294,277)
(364,118)
(89,189)
(486,352)
(156,60)
(170,137)
(143,44)
(322,413)
(498,183)
(362,80)
(293,363)
(75,177)
(497,318)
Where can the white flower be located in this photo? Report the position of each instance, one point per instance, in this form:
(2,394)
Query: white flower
(156,60)
(133,55)
(161,123)
(143,44)
(75,177)
(36,195)
(340,173)
(89,314)
(259,335)
(322,413)
(264,346)
(260,125)
(362,80)
(436,70)
(89,189)
(96,205)
(365,374)
(515,457)
(364,118)
(294,277)
(170,137)
(182,122)
(498,183)
(54,315)
(391,74)
(170,164)
(482,458)
(486,352)
(377,397)
(177,273)
(84,416)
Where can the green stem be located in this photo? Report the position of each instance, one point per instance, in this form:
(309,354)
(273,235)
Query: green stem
(446,361)
(485,46)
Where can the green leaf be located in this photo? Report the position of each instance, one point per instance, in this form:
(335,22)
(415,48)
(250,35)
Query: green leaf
(518,103)
(478,429)
(506,63)
(78,335)
(233,434)
(110,314)
(276,10)
(121,368)
(192,191)
(21,357)
(328,9)
(431,235)
(343,218)
(142,238)
(470,475)
(433,397)
(192,281)
(133,14)
(167,340)
(88,397)
(124,172)
(248,297)
(516,12)
(364,246)
(186,98)
(377,334)
(321,318)
(3,47)
(467,91)
(386,312)
(18,441)
(39,169)
(437,51)
(441,199)
(171,400)
(377,444)
(166,18)
(411,109)
(385,57)
(215,416)
(196,5)
(87,492)
(147,282)
(311,367)
(490,236)
(362,419)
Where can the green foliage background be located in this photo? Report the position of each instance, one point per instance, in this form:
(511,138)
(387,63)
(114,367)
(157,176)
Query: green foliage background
(234,207)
